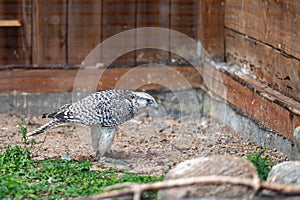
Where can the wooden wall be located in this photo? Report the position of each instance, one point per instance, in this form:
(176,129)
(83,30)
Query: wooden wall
(264,36)
(63,32)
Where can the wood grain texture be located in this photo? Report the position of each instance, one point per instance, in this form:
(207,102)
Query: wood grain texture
(211,27)
(14,43)
(184,19)
(119,16)
(84,28)
(10,23)
(49,32)
(262,103)
(271,67)
(153,13)
(62,80)
(276,23)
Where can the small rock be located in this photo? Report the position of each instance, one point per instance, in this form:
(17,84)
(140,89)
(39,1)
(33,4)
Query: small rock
(297,138)
(204,166)
(285,173)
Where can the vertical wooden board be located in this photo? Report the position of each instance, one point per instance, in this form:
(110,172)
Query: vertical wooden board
(184,19)
(15,41)
(268,64)
(119,16)
(49,32)
(211,27)
(276,23)
(84,29)
(153,13)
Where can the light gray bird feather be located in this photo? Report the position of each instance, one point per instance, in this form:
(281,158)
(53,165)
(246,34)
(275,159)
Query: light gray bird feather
(102,111)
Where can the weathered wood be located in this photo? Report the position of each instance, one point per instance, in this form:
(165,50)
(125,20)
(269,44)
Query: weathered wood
(183,18)
(10,23)
(280,72)
(49,32)
(152,13)
(14,47)
(62,80)
(276,23)
(119,16)
(257,100)
(211,27)
(84,29)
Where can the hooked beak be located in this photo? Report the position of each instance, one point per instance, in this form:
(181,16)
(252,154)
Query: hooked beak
(153,105)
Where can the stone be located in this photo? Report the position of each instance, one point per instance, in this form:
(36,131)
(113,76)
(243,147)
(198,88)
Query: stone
(205,166)
(285,173)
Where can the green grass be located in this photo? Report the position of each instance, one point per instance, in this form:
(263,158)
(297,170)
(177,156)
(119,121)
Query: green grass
(262,164)
(23,177)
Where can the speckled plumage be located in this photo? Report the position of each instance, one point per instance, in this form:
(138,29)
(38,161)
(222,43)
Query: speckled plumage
(102,111)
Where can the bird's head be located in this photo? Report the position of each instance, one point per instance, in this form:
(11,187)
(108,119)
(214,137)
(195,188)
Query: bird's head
(143,100)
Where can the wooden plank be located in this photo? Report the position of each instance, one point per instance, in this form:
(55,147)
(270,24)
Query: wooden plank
(152,13)
(49,32)
(62,80)
(14,47)
(84,29)
(257,100)
(119,16)
(184,19)
(276,23)
(269,65)
(211,27)
(10,23)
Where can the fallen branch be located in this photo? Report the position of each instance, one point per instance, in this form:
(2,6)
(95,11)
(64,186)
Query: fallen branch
(137,189)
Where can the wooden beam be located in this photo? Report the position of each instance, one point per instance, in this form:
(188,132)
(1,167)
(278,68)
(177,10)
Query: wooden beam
(275,23)
(10,23)
(255,99)
(62,80)
(270,66)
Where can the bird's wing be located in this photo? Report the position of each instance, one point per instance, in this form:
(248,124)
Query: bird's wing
(115,110)
(59,113)
(102,138)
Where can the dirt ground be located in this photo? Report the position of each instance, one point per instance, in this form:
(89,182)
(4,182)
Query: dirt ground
(150,145)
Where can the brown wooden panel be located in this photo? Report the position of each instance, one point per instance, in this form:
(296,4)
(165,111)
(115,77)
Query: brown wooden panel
(268,64)
(184,19)
(270,107)
(119,16)
(62,80)
(276,23)
(49,32)
(84,29)
(211,27)
(152,13)
(15,42)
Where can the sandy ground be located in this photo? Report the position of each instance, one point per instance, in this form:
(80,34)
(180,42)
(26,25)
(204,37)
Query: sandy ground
(150,145)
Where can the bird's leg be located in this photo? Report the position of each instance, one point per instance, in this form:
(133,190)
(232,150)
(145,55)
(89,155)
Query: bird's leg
(102,138)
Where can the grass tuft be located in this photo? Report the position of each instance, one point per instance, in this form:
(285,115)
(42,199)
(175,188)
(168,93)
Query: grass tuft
(22,177)
(263,164)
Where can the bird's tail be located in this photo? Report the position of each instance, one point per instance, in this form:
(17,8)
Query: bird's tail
(50,125)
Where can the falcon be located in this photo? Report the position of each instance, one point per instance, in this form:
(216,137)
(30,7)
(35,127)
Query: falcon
(102,111)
